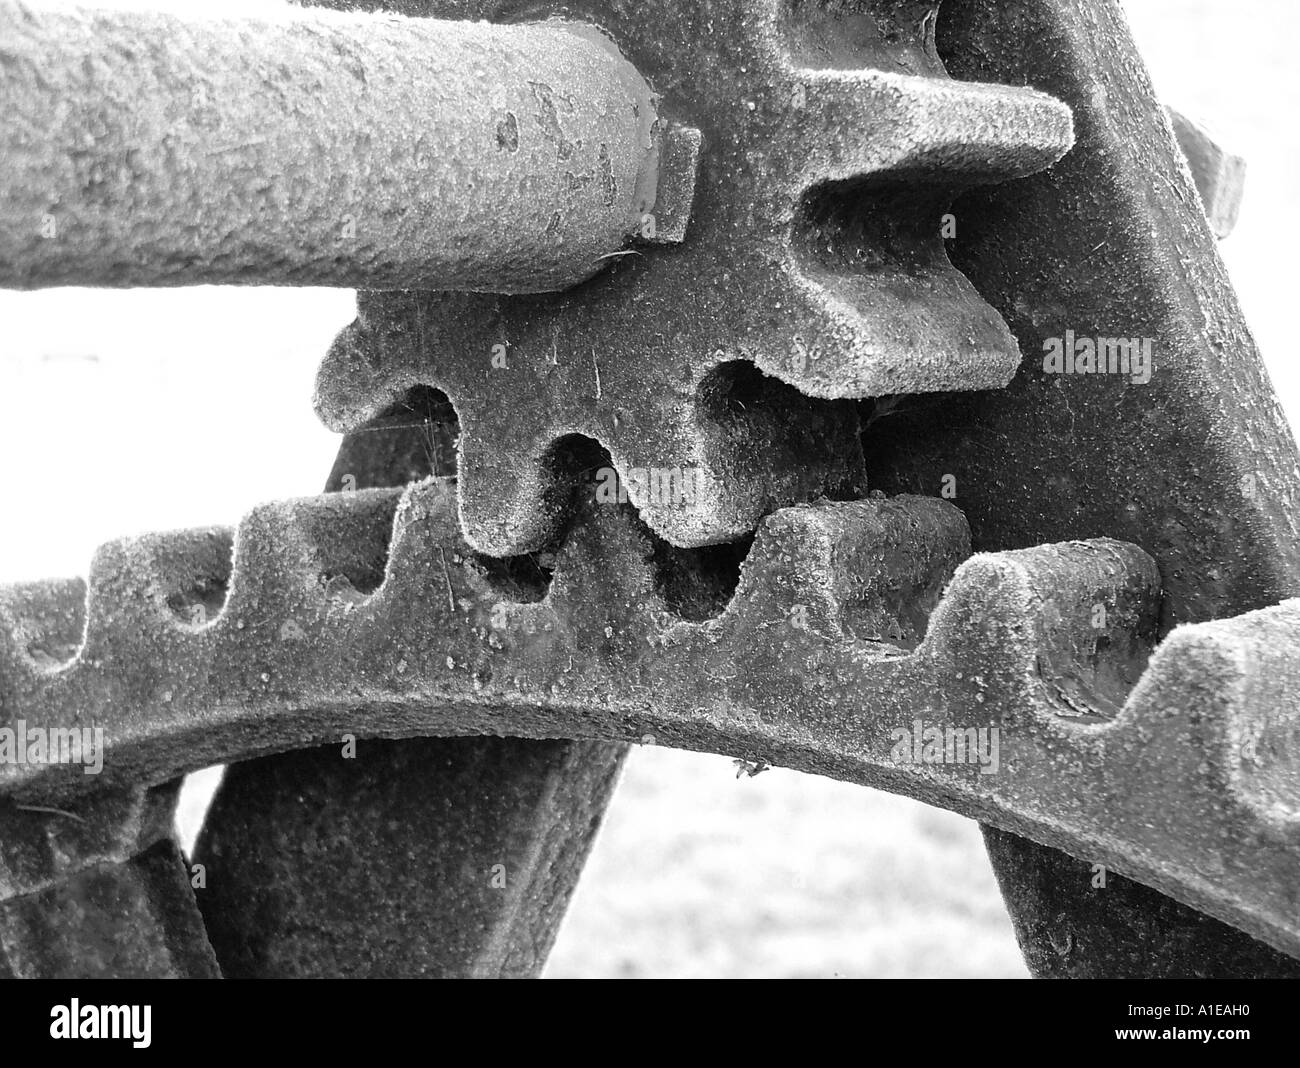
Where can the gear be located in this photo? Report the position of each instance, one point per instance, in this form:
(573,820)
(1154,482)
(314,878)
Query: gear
(832,142)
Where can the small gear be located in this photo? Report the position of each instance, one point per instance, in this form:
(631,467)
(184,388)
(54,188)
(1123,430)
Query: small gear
(831,142)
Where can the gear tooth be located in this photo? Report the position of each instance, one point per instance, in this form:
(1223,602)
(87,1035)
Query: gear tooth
(686,500)
(307,552)
(153,594)
(275,566)
(955,132)
(349,390)
(432,586)
(428,532)
(367,370)
(425,528)
(42,627)
(1217,703)
(684,477)
(983,628)
(508,500)
(753,445)
(720,511)
(425,516)
(927,330)
(892,314)
(1086,609)
(609,545)
(868,570)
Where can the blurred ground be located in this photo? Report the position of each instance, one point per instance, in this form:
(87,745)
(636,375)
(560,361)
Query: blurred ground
(698,873)
(124,412)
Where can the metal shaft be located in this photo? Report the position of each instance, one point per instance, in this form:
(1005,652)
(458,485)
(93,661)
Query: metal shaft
(381,152)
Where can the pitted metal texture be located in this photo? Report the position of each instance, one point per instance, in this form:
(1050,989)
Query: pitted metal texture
(832,142)
(327,628)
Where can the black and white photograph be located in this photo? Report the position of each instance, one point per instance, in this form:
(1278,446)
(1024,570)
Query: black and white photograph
(649,489)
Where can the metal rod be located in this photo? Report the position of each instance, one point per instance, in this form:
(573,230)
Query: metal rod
(369,151)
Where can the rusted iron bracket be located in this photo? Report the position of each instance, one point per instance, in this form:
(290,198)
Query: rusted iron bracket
(1198,466)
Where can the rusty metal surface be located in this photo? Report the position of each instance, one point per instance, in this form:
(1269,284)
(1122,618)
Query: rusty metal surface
(831,148)
(815,277)
(1171,468)
(97,889)
(145,148)
(424,858)
(807,666)
(1075,921)
(1198,466)
(45,844)
(133,920)
(465,850)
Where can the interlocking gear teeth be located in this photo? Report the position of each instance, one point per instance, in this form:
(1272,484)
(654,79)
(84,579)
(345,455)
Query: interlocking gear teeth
(745,444)
(1189,786)
(531,806)
(815,655)
(788,129)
